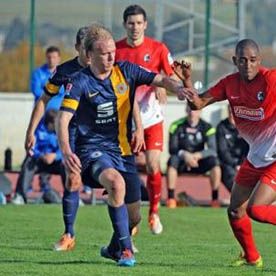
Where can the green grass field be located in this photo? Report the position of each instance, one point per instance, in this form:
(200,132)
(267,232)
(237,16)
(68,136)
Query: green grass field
(195,241)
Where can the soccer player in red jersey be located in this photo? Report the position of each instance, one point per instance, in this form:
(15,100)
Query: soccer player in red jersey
(251,94)
(155,56)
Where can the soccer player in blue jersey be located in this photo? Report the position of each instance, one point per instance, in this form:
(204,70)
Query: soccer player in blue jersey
(101,97)
(62,77)
(73,181)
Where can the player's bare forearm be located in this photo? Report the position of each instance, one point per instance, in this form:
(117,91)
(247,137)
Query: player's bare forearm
(71,161)
(62,124)
(170,84)
(36,116)
(188,83)
(136,115)
(137,142)
(38,113)
(195,101)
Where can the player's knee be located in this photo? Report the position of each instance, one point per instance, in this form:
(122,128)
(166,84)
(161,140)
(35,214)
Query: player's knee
(153,168)
(73,182)
(117,185)
(173,162)
(213,162)
(134,220)
(216,170)
(235,213)
(117,190)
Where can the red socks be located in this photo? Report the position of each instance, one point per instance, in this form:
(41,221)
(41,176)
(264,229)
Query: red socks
(154,191)
(263,213)
(242,230)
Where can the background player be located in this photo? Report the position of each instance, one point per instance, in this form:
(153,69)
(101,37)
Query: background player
(153,55)
(61,78)
(251,94)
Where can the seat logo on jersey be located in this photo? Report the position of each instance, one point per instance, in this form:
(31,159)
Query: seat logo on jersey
(105,110)
(105,113)
(260,96)
(252,114)
(146,57)
(121,88)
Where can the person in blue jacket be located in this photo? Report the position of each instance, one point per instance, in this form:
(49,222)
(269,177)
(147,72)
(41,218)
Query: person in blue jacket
(41,75)
(46,158)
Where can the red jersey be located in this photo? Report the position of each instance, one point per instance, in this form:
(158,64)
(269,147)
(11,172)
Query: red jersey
(254,108)
(152,55)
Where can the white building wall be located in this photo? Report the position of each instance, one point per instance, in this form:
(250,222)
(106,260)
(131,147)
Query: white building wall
(15,110)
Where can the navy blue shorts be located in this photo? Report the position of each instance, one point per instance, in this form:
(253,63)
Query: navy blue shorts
(90,176)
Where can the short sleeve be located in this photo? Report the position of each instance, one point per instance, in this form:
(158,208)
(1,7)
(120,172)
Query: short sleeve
(140,74)
(54,83)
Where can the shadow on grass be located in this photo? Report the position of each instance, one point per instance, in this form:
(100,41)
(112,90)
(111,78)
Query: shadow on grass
(27,247)
(175,267)
(205,266)
(74,262)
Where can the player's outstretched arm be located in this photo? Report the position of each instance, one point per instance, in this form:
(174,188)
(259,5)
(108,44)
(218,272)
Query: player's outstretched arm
(170,84)
(71,161)
(183,70)
(36,116)
(196,101)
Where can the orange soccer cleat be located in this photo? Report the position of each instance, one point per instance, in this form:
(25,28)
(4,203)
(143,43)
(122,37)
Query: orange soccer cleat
(215,204)
(171,203)
(66,243)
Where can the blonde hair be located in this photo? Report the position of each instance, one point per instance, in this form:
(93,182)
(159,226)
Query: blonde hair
(96,32)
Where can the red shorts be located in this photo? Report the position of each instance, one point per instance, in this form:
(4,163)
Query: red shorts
(154,137)
(249,176)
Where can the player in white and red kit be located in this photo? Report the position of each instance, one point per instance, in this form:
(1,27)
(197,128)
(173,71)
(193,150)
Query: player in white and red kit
(155,56)
(251,93)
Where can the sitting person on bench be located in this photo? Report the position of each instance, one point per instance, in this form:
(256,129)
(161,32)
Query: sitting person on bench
(192,148)
(46,158)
